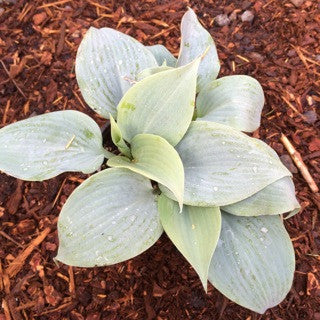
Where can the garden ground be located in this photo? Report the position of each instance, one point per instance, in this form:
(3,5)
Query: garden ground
(38,42)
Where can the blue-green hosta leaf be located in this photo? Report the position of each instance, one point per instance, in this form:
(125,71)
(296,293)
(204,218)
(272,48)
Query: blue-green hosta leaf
(44,146)
(109,218)
(117,139)
(150,71)
(161,104)
(162,55)
(195,232)
(277,198)
(194,41)
(155,158)
(107,64)
(253,264)
(223,165)
(236,101)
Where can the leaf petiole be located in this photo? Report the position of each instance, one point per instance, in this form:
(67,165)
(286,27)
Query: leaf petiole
(107,154)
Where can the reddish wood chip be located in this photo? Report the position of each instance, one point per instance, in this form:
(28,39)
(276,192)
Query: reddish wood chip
(314,145)
(313,286)
(39,18)
(51,295)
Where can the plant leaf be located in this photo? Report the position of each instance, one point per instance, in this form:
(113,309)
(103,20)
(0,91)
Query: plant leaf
(219,161)
(236,101)
(253,264)
(277,198)
(195,232)
(161,104)
(155,158)
(117,139)
(194,41)
(44,146)
(109,218)
(162,54)
(150,71)
(107,64)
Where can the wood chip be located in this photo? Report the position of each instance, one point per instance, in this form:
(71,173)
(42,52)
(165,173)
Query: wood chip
(16,265)
(296,157)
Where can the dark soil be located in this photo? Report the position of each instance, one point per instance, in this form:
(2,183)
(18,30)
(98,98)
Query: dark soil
(38,43)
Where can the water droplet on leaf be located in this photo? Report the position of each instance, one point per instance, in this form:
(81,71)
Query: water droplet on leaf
(264,230)
(110,238)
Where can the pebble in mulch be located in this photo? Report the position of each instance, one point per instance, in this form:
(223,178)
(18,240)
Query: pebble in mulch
(222,20)
(297,3)
(247,16)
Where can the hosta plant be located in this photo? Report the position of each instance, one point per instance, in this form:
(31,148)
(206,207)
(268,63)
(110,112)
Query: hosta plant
(217,193)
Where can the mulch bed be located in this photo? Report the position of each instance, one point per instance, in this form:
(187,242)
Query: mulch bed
(38,43)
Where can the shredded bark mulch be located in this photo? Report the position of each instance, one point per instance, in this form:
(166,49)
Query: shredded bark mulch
(275,41)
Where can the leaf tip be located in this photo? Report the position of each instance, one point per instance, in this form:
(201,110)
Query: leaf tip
(204,282)
(292,213)
(91,31)
(190,12)
(112,121)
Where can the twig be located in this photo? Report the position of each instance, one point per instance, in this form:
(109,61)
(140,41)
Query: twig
(70,142)
(61,307)
(14,82)
(291,106)
(24,11)
(16,265)
(58,194)
(47,5)
(61,38)
(296,157)
(308,59)
(78,98)
(243,58)
(267,4)
(97,5)
(162,32)
(26,306)
(233,64)
(6,310)
(72,288)
(1,278)
(4,118)
(75,179)
(12,240)
(301,56)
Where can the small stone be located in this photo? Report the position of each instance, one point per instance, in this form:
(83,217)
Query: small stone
(76,34)
(39,18)
(222,20)
(256,57)
(297,3)
(292,53)
(247,16)
(287,161)
(310,116)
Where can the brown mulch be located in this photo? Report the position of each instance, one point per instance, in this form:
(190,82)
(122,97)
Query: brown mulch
(38,43)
